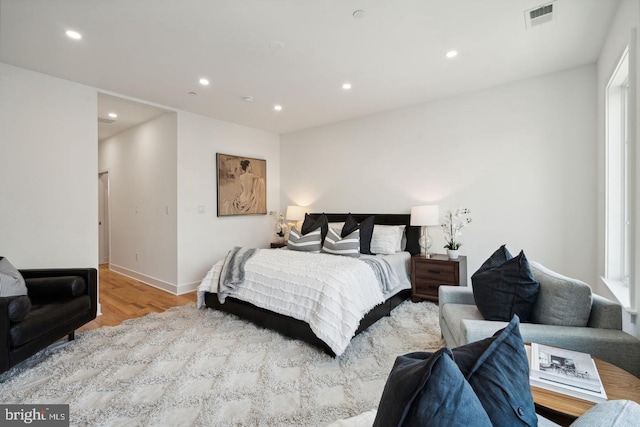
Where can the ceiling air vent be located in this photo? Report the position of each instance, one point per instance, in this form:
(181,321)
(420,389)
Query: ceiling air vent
(105,120)
(539,15)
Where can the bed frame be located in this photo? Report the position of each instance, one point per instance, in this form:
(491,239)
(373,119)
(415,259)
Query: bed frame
(298,329)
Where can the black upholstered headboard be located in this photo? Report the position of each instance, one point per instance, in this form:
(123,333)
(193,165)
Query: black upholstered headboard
(412,232)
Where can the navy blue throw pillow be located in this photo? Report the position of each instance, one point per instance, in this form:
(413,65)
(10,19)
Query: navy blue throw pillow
(505,290)
(496,259)
(428,389)
(366,231)
(498,370)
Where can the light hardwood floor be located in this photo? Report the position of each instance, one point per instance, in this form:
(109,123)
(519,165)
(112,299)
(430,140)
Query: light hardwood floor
(123,298)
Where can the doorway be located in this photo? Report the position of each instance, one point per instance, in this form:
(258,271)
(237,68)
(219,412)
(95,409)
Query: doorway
(104,243)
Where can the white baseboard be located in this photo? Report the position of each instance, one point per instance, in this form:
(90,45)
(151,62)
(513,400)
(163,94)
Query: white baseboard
(156,283)
(187,287)
(147,280)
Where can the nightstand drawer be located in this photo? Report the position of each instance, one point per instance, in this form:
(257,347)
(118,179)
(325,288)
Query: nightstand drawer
(429,287)
(442,273)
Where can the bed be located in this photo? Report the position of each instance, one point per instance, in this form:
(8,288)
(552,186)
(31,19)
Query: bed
(293,325)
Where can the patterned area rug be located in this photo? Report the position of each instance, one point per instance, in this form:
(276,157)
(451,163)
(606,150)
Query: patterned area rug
(206,368)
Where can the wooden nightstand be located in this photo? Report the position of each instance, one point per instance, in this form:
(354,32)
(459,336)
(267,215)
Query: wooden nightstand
(427,274)
(276,245)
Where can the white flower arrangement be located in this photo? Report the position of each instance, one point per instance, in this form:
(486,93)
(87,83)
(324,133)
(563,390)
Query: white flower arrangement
(281,224)
(453,223)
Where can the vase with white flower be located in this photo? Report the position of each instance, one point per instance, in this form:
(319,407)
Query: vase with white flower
(281,225)
(454,221)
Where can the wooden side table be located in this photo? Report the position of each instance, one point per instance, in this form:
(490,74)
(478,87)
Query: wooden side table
(427,274)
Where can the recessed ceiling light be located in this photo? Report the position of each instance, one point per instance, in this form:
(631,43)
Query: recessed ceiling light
(113,115)
(247,99)
(193,93)
(346,86)
(359,14)
(451,54)
(73,34)
(204,82)
(277,107)
(276,45)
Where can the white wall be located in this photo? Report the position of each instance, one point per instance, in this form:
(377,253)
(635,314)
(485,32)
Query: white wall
(521,157)
(203,238)
(142,168)
(48,180)
(627,18)
(170,162)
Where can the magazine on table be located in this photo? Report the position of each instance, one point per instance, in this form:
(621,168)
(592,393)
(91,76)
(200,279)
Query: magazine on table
(566,371)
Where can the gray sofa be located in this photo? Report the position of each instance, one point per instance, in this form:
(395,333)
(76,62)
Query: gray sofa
(613,413)
(560,304)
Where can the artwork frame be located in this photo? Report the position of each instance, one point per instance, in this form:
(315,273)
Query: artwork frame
(241,185)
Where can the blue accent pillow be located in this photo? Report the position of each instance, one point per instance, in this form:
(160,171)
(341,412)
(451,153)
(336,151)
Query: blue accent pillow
(366,231)
(425,389)
(498,370)
(505,289)
(496,259)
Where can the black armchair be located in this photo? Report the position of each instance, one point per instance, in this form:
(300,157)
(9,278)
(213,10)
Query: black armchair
(62,300)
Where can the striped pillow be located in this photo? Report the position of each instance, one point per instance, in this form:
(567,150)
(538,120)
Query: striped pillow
(336,245)
(310,242)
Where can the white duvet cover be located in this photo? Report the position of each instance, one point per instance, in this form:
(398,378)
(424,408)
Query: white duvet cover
(331,293)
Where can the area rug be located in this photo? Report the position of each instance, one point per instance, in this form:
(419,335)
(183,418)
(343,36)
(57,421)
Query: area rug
(189,367)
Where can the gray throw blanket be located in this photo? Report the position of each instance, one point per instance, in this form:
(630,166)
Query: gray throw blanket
(232,273)
(383,272)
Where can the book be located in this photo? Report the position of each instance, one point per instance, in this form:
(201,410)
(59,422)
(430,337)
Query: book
(565,371)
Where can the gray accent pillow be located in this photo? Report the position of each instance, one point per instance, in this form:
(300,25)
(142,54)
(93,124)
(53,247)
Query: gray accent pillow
(348,245)
(11,281)
(561,300)
(310,242)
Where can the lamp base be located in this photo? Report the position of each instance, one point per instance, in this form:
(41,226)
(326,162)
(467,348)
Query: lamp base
(425,242)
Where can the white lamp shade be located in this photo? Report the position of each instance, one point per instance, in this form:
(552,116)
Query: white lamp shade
(425,215)
(295,213)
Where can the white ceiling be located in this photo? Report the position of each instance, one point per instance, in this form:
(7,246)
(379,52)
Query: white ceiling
(129,113)
(156,50)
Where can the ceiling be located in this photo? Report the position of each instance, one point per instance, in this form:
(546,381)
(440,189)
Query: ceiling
(130,114)
(295,53)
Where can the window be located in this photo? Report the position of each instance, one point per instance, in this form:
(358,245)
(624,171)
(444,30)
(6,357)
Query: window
(618,245)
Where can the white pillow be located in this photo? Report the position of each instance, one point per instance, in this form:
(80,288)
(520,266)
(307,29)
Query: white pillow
(387,239)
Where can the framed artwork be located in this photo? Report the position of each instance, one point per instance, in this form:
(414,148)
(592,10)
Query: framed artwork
(242,185)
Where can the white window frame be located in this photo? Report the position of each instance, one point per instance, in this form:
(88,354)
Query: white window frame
(619,243)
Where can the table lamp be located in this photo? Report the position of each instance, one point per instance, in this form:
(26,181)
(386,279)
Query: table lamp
(295,214)
(425,217)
